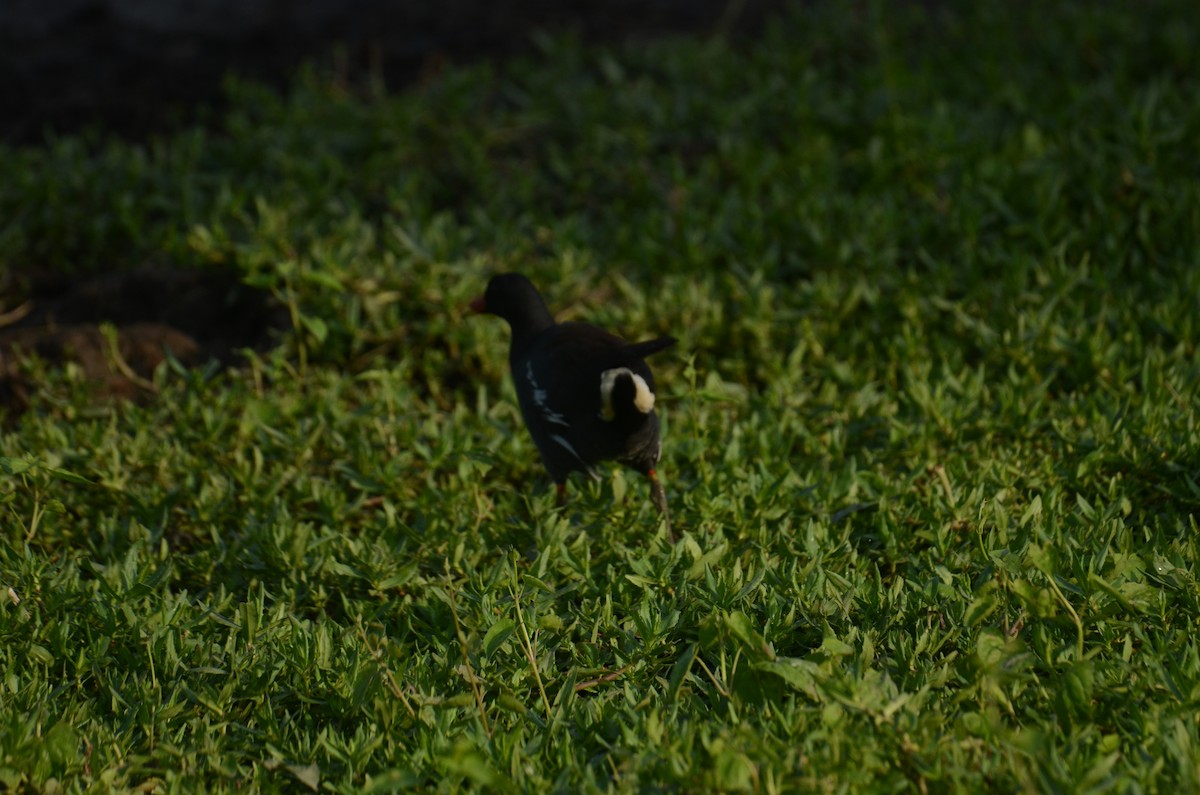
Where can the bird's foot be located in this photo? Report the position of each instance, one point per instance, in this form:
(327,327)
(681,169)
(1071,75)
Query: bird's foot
(658,496)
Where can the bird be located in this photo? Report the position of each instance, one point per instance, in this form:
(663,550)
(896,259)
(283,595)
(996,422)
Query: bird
(586,395)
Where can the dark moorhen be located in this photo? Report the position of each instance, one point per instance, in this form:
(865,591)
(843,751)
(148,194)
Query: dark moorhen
(586,395)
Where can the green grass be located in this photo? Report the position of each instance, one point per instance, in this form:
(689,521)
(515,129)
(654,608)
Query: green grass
(932,439)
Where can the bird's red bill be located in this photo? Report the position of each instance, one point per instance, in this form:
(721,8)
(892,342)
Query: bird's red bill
(478,306)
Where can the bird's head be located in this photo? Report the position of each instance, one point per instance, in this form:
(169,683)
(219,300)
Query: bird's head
(514,298)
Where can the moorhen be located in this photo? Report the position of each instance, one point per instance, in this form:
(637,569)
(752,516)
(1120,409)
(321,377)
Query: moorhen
(586,395)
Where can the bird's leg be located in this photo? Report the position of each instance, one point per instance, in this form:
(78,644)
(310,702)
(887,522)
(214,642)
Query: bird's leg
(659,497)
(561,488)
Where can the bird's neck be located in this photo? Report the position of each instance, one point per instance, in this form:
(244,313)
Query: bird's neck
(528,324)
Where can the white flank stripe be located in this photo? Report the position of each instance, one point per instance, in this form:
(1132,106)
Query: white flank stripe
(539,398)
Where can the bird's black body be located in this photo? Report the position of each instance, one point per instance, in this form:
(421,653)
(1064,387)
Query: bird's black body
(586,395)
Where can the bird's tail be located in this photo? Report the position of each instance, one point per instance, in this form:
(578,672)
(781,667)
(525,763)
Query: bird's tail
(640,350)
(624,393)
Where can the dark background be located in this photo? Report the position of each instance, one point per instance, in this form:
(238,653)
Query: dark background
(138,66)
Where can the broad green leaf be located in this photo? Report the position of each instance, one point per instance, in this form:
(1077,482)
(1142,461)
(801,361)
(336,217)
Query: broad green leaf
(497,634)
(751,640)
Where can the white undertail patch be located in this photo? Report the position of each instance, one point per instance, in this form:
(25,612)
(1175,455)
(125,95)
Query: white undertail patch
(539,398)
(643,398)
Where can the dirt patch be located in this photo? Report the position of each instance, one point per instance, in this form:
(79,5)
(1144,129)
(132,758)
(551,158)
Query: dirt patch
(196,315)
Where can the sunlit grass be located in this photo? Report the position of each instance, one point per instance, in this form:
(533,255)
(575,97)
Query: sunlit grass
(931,431)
